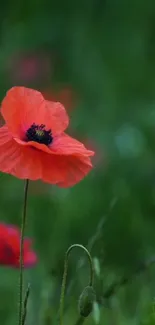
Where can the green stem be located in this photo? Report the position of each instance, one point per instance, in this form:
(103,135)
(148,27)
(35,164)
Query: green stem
(21,253)
(25,304)
(63,286)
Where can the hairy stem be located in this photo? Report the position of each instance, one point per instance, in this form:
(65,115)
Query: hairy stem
(21,253)
(63,286)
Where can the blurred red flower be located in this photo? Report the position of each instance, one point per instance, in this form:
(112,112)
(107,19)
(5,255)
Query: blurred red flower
(66,97)
(30,67)
(10,248)
(33,144)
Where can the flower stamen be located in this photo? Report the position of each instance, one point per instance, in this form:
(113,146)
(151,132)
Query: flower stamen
(38,134)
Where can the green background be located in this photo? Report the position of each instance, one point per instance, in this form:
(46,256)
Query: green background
(103,53)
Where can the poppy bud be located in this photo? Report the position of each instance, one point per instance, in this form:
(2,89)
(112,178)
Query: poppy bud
(86,301)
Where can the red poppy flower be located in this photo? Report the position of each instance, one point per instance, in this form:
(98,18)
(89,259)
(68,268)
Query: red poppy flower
(10,248)
(33,144)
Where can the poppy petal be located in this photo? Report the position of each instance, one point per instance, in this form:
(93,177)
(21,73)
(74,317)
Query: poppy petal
(26,162)
(55,117)
(66,145)
(17,163)
(5,135)
(3,230)
(10,247)
(12,230)
(23,106)
(61,145)
(69,170)
(34,144)
(77,169)
(30,259)
(27,243)
(67,166)
(9,151)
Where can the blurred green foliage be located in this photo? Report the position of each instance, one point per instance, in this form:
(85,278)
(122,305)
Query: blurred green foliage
(104,52)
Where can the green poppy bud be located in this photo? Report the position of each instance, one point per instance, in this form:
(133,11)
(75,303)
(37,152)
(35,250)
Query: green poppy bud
(86,301)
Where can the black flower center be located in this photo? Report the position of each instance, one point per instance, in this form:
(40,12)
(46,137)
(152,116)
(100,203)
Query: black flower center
(38,134)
